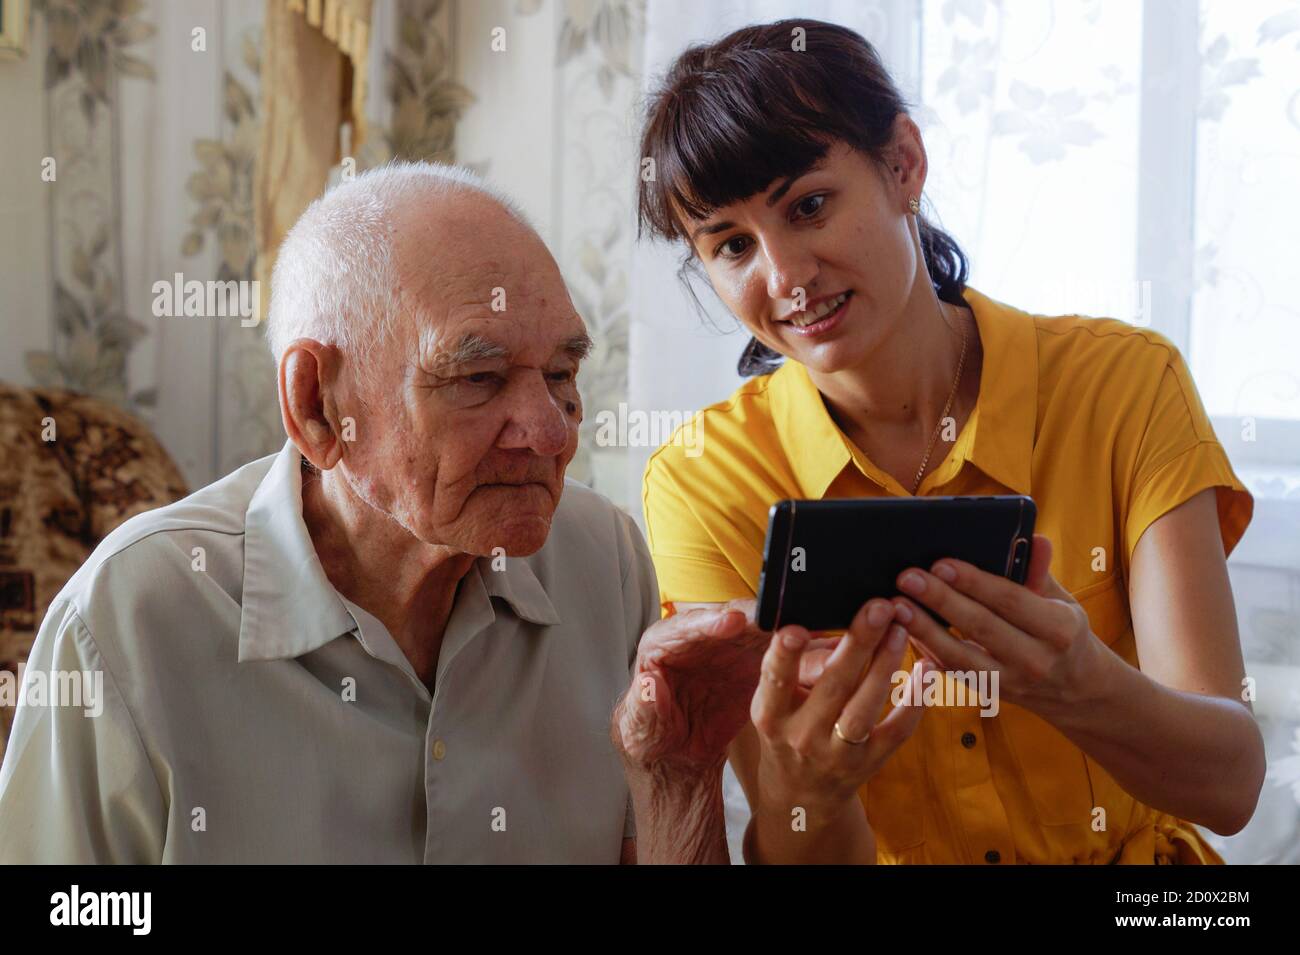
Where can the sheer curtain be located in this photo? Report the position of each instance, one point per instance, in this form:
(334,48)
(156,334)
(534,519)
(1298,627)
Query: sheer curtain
(1105,158)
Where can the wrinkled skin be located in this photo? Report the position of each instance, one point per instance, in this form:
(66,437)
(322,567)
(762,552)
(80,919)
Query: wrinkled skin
(471,457)
(695,677)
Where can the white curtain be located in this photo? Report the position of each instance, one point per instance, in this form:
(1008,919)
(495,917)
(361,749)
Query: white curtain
(186,161)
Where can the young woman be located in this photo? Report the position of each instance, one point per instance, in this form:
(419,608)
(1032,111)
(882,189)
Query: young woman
(792,174)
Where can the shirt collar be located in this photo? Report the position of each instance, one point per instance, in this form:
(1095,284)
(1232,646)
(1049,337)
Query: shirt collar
(1000,429)
(289,605)
(519,587)
(1007,407)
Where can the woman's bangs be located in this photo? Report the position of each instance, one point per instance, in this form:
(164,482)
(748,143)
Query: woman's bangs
(714,152)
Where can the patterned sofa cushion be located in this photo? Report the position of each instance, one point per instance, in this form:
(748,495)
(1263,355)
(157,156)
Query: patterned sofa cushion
(72,468)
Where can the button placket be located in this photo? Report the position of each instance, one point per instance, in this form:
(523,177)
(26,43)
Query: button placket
(977,804)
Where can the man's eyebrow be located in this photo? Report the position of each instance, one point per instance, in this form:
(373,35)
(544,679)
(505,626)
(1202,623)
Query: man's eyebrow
(577,347)
(472,348)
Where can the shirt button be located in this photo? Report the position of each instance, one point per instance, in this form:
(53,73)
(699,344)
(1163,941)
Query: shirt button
(439,749)
(992,857)
(968,740)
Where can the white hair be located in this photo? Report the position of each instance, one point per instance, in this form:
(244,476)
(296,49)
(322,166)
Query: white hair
(335,277)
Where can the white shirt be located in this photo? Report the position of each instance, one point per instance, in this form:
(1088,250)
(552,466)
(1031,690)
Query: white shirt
(251,714)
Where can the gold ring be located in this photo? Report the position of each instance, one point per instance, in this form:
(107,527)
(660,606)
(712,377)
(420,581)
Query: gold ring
(851,742)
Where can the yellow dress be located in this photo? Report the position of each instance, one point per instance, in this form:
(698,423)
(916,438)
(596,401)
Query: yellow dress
(1101,423)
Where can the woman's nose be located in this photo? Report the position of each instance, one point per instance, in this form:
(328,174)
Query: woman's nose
(791,268)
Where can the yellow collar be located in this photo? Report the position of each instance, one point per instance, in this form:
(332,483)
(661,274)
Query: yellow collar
(998,438)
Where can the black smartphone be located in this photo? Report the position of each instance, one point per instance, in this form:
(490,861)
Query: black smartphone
(824,559)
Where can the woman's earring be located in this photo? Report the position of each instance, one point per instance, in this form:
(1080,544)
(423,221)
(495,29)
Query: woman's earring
(914,204)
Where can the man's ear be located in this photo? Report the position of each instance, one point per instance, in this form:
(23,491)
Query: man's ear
(308,375)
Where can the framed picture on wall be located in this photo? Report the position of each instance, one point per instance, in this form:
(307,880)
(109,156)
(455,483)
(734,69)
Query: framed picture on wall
(13,27)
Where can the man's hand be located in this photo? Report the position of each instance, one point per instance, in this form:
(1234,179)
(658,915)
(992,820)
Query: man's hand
(695,676)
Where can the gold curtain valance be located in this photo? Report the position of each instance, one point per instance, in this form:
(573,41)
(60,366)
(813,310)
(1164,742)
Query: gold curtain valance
(346,24)
(314,61)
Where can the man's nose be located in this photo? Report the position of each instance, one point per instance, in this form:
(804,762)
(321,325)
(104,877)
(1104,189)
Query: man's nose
(538,420)
(790,266)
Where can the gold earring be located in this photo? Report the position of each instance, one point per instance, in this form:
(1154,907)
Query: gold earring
(914,204)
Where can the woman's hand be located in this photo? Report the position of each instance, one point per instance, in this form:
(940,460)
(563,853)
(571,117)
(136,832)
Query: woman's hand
(818,747)
(1035,636)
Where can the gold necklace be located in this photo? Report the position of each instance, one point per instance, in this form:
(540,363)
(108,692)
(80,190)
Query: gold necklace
(961,362)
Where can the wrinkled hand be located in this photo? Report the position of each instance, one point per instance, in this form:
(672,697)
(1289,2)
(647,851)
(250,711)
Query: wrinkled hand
(1035,635)
(695,676)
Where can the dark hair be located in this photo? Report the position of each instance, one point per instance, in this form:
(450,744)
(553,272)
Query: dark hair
(732,117)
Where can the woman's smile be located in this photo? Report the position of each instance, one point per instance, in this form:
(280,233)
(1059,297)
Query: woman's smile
(822,320)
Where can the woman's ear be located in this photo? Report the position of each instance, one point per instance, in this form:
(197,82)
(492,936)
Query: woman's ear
(308,372)
(908,163)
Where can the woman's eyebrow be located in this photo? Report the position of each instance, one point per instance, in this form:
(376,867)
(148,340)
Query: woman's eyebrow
(781,190)
(711,229)
(777,195)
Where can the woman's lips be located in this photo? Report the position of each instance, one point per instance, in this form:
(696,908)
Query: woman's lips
(825,325)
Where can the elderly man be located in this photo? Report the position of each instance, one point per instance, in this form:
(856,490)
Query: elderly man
(401,638)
